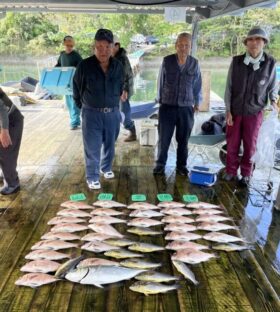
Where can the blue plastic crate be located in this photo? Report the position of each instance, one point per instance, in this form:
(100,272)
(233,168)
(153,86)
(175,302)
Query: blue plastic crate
(278,73)
(202,176)
(58,80)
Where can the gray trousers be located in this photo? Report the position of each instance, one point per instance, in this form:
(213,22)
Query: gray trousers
(9,156)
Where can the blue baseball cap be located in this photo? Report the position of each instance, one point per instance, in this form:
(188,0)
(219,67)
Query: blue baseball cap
(104,34)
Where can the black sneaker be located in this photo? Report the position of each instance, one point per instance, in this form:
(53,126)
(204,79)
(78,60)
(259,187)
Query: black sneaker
(7,190)
(158,170)
(244,181)
(182,171)
(229,177)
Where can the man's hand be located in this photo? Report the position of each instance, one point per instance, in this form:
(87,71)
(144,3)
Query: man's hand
(229,119)
(5,138)
(124,96)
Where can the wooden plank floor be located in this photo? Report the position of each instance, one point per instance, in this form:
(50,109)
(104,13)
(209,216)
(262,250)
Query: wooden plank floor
(51,168)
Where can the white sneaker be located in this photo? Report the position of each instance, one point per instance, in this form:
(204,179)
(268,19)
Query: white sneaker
(94,185)
(108,174)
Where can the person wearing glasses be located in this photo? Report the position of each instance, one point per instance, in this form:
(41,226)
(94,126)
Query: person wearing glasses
(98,87)
(70,58)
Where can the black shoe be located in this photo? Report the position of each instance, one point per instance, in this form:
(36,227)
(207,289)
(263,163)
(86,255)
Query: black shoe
(158,170)
(182,171)
(7,190)
(244,181)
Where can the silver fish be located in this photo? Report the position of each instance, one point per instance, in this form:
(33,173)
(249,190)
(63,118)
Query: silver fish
(95,262)
(192,256)
(185,271)
(68,266)
(76,205)
(179,227)
(106,212)
(171,204)
(177,245)
(201,211)
(143,231)
(69,227)
(157,277)
(179,236)
(74,213)
(177,219)
(142,206)
(108,204)
(144,247)
(105,228)
(176,211)
(215,226)
(139,263)
(96,237)
(231,247)
(98,246)
(34,280)
(143,222)
(61,219)
(121,242)
(101,275)
(60,236)
(46,254)
(145,213)
(53,245)
(40,266)
(149,288)
(203,205)
(222,238)
(212,218)
(106,220)
(122,254)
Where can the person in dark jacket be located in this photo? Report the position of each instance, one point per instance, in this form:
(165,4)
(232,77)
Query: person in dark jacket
(120,54)
(11,122)
(179,95)
(70,58)
(97,89)
(251,82)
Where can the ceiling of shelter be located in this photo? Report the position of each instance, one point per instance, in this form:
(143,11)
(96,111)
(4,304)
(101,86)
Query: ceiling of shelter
(202,8)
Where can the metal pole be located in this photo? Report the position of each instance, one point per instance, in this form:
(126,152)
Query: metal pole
(277,201)
(195,28)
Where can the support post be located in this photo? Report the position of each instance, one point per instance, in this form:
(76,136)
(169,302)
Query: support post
(195,28)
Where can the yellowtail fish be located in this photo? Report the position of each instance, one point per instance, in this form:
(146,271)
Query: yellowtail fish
(121,242)
(157,277)
(150,288)
(143,231)
(139,263)
(122,254)
(179,227)
(181,236)
(144,247)
(185,271)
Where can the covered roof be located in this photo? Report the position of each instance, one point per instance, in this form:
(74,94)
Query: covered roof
(203,8)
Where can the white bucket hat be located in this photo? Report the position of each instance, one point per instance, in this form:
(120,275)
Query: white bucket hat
(257,32)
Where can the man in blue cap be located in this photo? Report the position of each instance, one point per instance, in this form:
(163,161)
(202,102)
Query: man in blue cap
(98,88)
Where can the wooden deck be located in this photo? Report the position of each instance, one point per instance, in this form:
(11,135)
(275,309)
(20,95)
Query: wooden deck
(52,168)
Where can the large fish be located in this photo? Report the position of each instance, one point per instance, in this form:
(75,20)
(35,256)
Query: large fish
(177,245)
(222,238)
(177,219)
(192,256)
(68,266)
(121,242)
(46,254)
(101,275)
(53,245)
(185,271)
(95,262)
(40,266)
(76,205)
(61,219)
(35,280)
(74,213)
(215,226)
(180,236)
(203,205)
(171,204)
(212,218)
(60,236)
(96,237)
(145,213)
(144,247)
(201,211)
(176,211)
(108,204)
(143,231)
(157,277)
(179,227)
(142,206)
(143,222)
(231,247)
(69,227)
(122,254)
(150,288)
(105,229)
(106,220)
(106,212)
(98,246)
(139,264)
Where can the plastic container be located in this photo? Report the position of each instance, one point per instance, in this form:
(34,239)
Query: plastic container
(148,132)
(28,84)
(202,176)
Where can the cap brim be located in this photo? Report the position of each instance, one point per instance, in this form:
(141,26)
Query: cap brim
(256,36)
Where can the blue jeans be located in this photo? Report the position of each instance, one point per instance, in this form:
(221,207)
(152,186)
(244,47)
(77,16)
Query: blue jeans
(128,122)
(74,111)
(170,117)
(100,131)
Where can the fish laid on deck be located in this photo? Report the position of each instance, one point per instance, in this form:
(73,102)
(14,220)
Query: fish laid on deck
(202,211)
(35,280)
(150,288)
(105,228)
(46,254)
(74,213)
(40,266)
(203,205)
(121,242)
(153,276)
(222,238)
(69,227)
(96,237)
(95,262)
(177,219)
(53,245)
(108,204)
(145,213)
(171,204)
(61,219)
(179,227)
(76,205)
(97,246)
(106,212)
(192,256)
(177,245)
(122,254)
(143,231)
(60,236)
(106,220)
(185,271)
(142,206)
(176,211)
(179,236)
(139,263)
(212,218)
(231,247)
(143,222)
(215,226)
(144,247)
